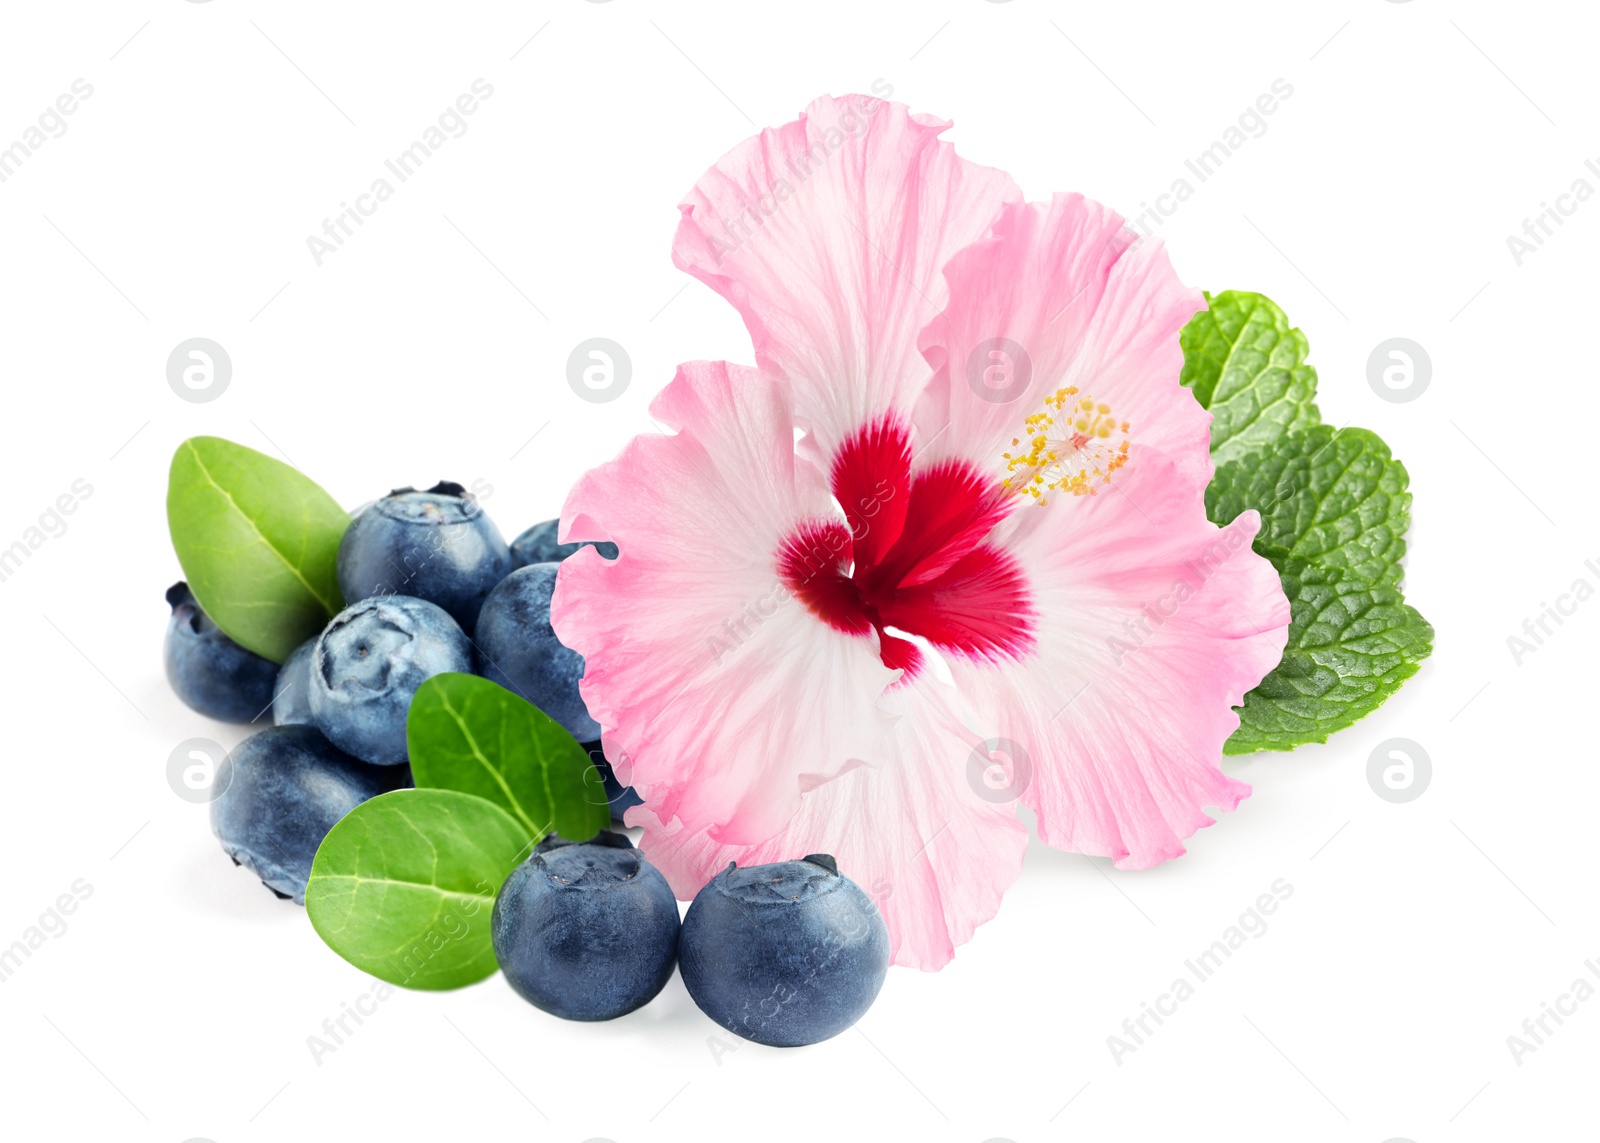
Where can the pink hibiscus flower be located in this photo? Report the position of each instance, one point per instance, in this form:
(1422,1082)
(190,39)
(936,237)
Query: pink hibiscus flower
(984,574)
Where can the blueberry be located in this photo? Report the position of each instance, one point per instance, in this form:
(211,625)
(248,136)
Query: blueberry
(517,648)
(538,546)
(369,661)
(621,798)
(292,703)
(209,671)
(784,954)
(282,791)
(587,930)
(437,545)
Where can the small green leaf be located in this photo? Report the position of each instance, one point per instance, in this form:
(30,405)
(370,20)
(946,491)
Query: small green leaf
(258,541)
(1248,367)
(403,886)
(1337,499)
(1352,642)
(466,733)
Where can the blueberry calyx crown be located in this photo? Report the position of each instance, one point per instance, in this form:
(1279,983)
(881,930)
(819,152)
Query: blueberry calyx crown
(179,594)
(608,838)
(826,860)
(781,882)
(450,503)
(823,859)
(605,860)
(443,488)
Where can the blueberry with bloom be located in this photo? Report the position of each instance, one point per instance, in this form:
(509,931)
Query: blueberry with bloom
(963,439)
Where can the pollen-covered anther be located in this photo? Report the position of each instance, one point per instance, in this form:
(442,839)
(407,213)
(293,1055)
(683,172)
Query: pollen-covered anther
(1073,446)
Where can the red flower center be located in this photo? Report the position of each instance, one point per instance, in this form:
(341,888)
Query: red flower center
(910,555)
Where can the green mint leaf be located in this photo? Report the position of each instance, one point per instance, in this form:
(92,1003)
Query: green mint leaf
(1334,511)
(403,886)
(466,733)
(1248,366)
(258,541)
(1336,499)
(1352,642)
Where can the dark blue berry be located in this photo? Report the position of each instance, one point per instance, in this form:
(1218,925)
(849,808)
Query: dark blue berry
(209,671)
(517,648)
(437,545)
(587,930)
(368,663)
(281,791)
(784,954)
(292,704)
(538,546)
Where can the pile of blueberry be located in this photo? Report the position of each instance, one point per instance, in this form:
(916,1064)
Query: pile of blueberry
(781,954)
(431,586)
(784,954)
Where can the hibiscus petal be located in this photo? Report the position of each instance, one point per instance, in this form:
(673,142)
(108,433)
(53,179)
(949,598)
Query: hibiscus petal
(812,562)
(979,607)
(934,852)
(871,477)
(1152,624)
(828,234)
(1088,305)
(950,507)
(715,686)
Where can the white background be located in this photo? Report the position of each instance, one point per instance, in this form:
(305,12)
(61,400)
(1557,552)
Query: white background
(1419,136)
